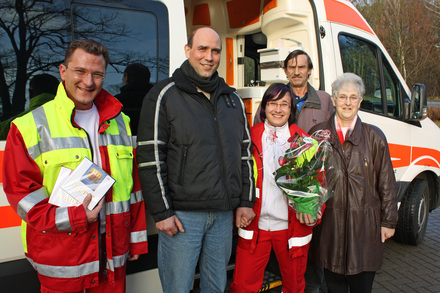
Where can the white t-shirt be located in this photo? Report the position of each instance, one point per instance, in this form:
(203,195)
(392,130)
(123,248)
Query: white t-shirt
(89,121)
(274,209)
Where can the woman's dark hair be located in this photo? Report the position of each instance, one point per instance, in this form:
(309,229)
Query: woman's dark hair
(275,92)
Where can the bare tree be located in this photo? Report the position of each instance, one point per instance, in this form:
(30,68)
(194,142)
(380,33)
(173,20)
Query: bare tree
(410,34)
(34,35)
(34,42)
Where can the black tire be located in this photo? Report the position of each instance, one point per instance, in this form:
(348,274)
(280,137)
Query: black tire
(413,213)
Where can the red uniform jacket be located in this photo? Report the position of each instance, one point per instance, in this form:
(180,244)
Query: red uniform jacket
(300,235)
(66,254)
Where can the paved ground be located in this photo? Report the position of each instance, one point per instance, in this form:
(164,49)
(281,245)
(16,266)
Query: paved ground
(412,268)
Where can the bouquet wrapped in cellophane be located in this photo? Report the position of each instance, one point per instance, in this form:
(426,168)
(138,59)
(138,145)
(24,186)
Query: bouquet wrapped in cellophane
(307,175)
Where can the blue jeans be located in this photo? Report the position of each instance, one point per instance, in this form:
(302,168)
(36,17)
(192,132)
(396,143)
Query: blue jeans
(208,240)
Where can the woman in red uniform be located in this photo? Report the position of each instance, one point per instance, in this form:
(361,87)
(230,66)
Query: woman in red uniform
(275,226)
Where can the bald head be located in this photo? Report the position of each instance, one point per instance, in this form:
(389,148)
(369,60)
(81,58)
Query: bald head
(202,29)
(203,51)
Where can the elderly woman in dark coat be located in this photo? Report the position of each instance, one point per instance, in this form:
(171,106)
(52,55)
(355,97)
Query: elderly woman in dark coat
(349,242)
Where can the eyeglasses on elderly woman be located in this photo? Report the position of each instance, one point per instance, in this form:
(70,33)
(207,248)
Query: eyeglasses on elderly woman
(343,98)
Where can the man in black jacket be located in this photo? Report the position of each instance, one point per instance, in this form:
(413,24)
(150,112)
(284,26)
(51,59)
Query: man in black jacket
(195,167)
(135,85)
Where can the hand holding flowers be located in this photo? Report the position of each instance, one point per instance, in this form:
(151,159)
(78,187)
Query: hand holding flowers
(303,175)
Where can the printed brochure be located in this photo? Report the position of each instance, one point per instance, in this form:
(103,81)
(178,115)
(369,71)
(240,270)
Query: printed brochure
(87,178)
(59,197)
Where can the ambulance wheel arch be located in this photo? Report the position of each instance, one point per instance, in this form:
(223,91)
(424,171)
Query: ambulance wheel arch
(417,201)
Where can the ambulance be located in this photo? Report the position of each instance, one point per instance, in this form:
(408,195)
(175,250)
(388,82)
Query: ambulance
(256,37)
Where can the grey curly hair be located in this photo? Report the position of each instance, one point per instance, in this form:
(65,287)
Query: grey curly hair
(348,78)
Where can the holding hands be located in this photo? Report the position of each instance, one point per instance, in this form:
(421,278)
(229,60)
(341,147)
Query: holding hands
(244,217)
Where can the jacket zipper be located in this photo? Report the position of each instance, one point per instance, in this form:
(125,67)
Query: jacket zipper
(183,163)
(212,110)
(341,153)
(366,169)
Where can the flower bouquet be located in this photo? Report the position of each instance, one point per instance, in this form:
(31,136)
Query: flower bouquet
(303,172)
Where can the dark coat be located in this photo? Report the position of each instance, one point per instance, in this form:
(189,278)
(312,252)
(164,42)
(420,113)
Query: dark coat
(348,241)
(131,97)
(194,153)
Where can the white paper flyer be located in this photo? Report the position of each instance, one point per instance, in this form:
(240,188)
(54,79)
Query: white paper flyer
(59,197)
(88,178)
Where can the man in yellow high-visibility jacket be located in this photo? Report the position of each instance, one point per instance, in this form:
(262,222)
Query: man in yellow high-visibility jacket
(71,247)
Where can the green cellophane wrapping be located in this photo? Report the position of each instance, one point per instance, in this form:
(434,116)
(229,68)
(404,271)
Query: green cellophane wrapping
(302,177)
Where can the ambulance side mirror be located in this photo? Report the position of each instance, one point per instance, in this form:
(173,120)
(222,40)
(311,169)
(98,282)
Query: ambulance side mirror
(419,104)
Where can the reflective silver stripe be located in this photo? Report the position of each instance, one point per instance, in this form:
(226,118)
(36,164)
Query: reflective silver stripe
(117,261)
(299,241)
(66,272)
(107,139)
(34,151)
(123,129)
(149,142)
(157,141)
(31,262)
(245,234)
(133,141)
(62,220)
(136,197)
(138,236)
(122,138)
(148,164)
(29,201)
(246,158)
(41,119)
(47,142)
(248,148)
(50,144)
(117,207)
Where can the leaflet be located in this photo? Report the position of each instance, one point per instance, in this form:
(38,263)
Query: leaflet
(88,178)
(59,197)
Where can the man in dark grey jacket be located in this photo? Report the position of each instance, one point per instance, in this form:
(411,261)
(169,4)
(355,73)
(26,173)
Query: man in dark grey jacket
(195,167)
(312,106)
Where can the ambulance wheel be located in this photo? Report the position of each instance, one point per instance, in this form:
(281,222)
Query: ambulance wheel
(413,213)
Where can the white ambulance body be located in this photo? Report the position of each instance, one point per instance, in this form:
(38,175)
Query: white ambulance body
(257,35)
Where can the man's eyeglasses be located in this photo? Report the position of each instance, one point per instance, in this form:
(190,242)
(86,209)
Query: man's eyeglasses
(81,73)
(283,106)
(343,98)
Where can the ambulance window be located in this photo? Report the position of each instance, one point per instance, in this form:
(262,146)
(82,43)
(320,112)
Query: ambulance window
(133,32)
(251,71)
(131,37)
(392,90)
(360,58)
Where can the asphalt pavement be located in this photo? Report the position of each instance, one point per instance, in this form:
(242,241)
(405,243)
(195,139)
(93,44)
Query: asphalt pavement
(409,268)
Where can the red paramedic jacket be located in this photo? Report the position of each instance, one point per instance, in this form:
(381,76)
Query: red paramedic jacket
(66,255)
(300,235)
